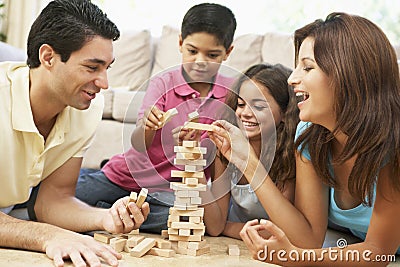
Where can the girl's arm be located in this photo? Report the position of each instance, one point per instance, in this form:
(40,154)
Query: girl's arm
(216,199)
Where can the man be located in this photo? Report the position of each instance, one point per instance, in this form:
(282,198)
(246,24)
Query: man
(48,115)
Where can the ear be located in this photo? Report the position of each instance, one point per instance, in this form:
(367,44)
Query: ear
(46,55)
(180,43)
(228,52)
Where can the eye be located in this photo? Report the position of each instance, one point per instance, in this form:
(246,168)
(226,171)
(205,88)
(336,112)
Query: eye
(260,108)
(92,68)
(192,51)
(213,56)
(307,68)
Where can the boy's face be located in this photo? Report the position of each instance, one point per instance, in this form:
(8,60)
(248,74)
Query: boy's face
(76,82)
(202,55)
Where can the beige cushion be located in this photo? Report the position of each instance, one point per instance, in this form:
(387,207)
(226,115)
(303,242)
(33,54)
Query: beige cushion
(167,52)
(132,60)
(246,52)
(278,48)
(108,103)
(126,105)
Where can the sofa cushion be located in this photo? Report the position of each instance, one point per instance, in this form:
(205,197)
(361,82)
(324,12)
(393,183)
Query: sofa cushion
(246,52)
(132,60)
(167,52)
(278,48)
(11,53)
(126,105)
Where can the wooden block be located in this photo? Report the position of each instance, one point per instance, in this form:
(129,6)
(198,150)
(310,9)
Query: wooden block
(133,232)
(198,126)
(197,245)
(195,219)
(173,231)
(187,225)
(198,252)
(195,150)
(175,173)
(186,238)
(193,162)
(173,218)
(183,244)
(189,156)
(233,250)
(187,193)
(187,143)
(191,182)
(168,115)
(118,243)
(193,116)
(199,231)
(142,247)
(198,212)
(164,233)
(161,243)
(193,168)
(168,253)
(103,237)
(181,186)
(142,197)
(184,232)
(132,198)
(134,241)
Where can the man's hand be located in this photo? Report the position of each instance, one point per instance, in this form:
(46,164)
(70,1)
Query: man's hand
(82,250)
(118,220)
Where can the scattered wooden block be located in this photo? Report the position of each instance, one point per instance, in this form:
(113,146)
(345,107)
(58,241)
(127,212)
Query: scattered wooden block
(103,237)
(118,243)
(133,232)
(233,250)
(164,244)
(198,126)
(134,241)
(142,247)
(198,252)
(168,253)
(132,198)
(142,197)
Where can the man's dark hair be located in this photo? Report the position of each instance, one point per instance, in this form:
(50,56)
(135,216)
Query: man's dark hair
(67,25)
(214,19)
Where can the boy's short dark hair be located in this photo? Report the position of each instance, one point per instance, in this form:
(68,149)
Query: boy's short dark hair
(212,18)
(67,25)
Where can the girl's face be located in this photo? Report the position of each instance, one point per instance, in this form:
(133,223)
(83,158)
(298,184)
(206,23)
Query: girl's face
(255,109)
(312,84)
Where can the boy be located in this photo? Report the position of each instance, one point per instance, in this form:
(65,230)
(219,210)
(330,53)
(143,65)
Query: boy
(205,41)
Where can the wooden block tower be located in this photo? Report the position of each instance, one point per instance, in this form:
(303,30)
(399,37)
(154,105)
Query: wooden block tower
(185,222)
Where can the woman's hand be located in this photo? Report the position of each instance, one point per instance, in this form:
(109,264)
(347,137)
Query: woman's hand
(261,247)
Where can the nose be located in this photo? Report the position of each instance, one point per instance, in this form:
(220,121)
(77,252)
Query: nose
(102,80)
(200,59)
(247,112)
(294,78)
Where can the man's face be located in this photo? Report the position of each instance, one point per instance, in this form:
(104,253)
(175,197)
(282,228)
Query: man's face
(76,82)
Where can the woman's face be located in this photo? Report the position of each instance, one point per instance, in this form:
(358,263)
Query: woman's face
(257,110)
(312,85)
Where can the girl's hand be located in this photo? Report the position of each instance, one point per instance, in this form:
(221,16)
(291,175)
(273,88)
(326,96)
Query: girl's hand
(152,118)
(232,143)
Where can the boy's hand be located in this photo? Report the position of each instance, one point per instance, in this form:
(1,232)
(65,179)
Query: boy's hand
(152,118)
(180,134)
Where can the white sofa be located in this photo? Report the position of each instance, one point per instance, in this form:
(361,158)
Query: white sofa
(139,56)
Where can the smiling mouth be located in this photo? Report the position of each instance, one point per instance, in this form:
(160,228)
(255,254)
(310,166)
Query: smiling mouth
(302,96)
(89,93)
(249,124)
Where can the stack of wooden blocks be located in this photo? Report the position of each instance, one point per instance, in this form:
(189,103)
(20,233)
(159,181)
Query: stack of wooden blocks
(185,223)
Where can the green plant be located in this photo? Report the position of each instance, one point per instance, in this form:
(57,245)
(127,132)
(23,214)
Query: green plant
(2,35)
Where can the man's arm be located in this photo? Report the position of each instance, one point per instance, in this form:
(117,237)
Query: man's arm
(56,204)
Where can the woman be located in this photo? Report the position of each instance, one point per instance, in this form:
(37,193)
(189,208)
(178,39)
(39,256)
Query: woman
(347,165)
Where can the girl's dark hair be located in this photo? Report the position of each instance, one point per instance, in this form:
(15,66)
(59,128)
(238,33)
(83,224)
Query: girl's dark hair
(361,64)
(67,25)
(274,79)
